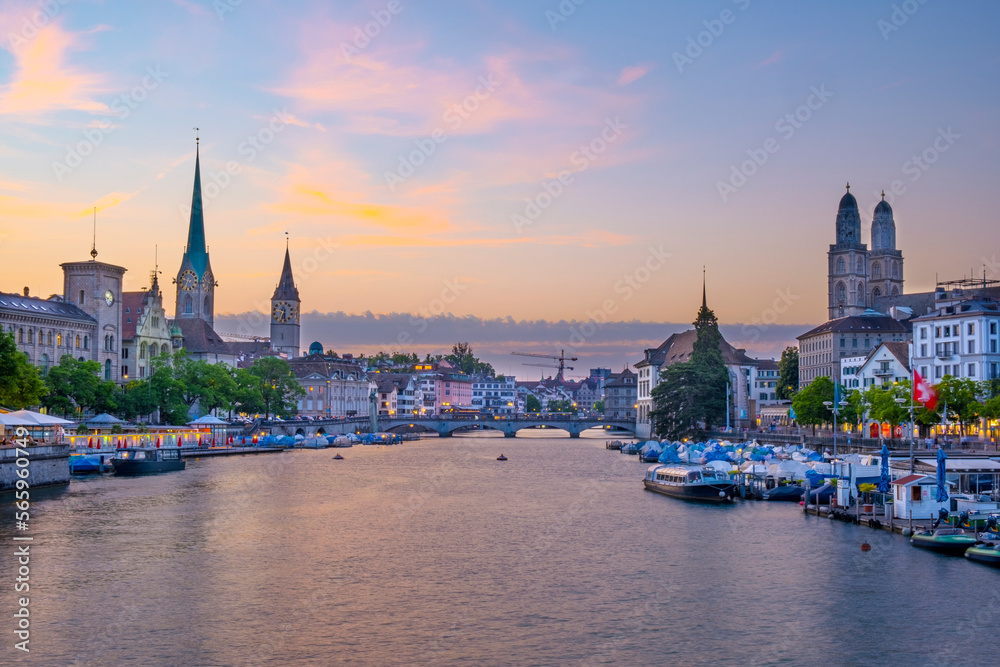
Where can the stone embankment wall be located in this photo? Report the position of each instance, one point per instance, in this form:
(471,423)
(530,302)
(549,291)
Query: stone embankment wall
(48,465)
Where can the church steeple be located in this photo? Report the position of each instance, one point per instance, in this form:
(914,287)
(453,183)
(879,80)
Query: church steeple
(285,326)
(195,281)
(704,299)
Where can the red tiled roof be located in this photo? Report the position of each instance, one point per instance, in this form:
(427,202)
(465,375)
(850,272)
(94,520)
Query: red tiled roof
(909,479)
(131,312)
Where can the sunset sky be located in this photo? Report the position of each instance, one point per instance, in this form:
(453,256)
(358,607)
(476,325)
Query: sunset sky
(406,163)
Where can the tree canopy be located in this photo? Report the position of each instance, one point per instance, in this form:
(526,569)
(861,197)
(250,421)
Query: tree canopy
(21,384)
(693,391)
(788,373)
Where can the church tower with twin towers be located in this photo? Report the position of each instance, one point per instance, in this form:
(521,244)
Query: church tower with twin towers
(857,275)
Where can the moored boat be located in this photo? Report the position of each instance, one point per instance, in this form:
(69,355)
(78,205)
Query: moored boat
(146,460)
(984,553)
(698,483)
(789,493)
(951,541)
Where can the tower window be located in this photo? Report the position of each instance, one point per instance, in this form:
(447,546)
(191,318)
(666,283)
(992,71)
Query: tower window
(840,265)
(81,297)
(188,306)
(876,270)
(841,293)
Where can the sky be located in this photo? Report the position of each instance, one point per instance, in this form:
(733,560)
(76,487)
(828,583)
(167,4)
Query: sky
(544,164)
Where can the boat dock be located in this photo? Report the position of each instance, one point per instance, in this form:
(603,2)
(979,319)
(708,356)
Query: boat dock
(228,451)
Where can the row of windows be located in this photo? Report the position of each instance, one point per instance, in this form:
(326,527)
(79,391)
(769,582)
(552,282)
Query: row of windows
(45,338)
(876,268)
(949,330)
(992,371)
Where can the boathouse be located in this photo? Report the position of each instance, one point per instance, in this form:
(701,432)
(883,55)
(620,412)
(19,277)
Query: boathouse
(916,494)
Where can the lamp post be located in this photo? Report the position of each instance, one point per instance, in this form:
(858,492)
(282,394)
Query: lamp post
(899,401)
(835,409)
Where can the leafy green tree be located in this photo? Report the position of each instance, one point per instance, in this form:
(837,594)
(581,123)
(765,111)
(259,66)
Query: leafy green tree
(137,399)
(788,373)
(882,405)
(464,359)
(532,404)
(280,389)
(73,384)
(21,384)
(599,407)
(960,397)
(562,406)
(808,403)
(249,396)
(693,391)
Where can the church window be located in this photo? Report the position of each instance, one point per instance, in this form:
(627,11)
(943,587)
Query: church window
(895,291)
(876,293)
(81,297)
(894,269)
(188,306)
(163,349)
(840,265)
(861,265)
(107,369)
(142,351)
(841,293)
(861,294)
(876,270)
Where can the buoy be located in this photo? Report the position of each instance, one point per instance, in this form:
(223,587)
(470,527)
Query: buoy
(865,546)
(501,458)
(338,457)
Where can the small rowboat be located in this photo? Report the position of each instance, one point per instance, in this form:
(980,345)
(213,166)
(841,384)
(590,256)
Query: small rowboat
(951,541)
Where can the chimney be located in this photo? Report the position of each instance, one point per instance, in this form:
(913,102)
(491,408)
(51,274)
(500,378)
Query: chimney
(25,291)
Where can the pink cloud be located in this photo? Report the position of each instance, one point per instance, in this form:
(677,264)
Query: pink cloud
(43,81)
(634,73)
(775,57)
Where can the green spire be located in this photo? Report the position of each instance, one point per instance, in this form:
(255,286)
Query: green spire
(195,250)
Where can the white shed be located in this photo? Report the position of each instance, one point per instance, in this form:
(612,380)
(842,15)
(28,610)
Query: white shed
(916,493)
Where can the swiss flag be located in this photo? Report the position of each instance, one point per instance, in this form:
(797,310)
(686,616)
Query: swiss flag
(923,392)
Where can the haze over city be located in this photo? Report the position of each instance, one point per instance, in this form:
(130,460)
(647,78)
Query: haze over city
(522,162)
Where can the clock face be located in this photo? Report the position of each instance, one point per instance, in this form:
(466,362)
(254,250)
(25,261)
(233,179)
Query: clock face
(109,297)
(208,280)
(187,280)
(283,311)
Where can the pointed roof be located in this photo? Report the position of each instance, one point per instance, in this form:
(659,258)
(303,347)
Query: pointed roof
(286,289)
(196,251)
(704,299)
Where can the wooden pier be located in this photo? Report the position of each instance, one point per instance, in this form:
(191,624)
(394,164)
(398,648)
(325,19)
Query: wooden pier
(228,451)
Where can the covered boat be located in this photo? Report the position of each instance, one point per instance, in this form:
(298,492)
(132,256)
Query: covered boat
(699,483)
(146,460)
(951,541)
(788,492)
(984,553)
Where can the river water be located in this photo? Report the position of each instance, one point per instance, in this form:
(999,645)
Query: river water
(433,552)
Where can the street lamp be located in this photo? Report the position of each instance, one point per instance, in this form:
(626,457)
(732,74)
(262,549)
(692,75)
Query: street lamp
(899,401)
(835,409)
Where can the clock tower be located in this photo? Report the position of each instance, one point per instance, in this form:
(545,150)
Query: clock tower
(285,313)
(195,281)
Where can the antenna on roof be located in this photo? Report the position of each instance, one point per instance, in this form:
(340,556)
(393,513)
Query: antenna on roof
(93,247)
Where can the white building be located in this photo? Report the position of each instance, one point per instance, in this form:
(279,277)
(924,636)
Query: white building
(959,338)
(887,364)
(849,368)
(494,395)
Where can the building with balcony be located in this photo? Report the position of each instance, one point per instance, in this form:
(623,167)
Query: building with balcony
(887,364)
(822,349)
(494,395)
(959,338)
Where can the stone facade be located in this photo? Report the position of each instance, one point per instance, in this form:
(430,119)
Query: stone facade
(96,289)
(48,329)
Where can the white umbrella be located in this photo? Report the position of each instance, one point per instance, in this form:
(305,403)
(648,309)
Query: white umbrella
(37,418)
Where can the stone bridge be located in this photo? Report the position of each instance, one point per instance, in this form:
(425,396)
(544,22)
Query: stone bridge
(446,426)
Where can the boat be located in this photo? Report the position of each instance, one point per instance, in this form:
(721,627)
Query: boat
(501,458)
(82,464)
(789,493)
(985,553)
(952,541)
(698,483)
(146,460)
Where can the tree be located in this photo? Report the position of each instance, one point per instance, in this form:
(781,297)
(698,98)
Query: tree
(279,387)
(562,406)
(21,384)
(788,373)
(137,399)
(960,397)
(693,391)
(808,403)
(73,384)
(249,396)
(532,404)
(463,358)
(599,407)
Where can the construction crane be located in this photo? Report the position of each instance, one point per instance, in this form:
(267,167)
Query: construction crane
(562,359)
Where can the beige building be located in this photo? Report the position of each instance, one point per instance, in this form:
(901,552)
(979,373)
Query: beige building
(822,348)
(145,331)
